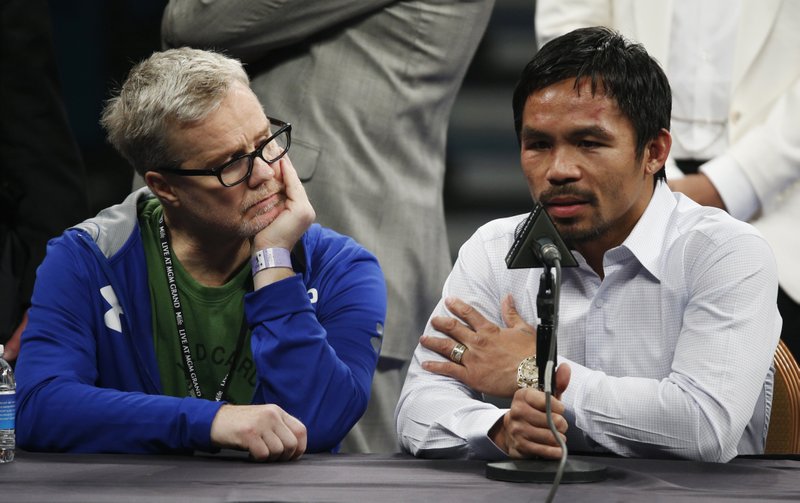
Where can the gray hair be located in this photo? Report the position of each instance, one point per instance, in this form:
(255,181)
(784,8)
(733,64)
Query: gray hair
(169,88)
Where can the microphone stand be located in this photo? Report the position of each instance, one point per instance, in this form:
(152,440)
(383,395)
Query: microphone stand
(541,470)
(545,307)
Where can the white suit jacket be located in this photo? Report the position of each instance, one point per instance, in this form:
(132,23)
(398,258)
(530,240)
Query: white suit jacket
(764,116)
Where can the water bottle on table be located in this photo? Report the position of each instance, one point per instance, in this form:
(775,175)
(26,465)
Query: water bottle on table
(8,390)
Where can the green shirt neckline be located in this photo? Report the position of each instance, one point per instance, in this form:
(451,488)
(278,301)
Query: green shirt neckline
(212,318)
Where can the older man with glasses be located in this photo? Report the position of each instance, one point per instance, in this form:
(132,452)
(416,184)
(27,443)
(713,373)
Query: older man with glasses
(206,310)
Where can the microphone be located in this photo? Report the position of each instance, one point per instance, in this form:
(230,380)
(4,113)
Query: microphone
(547,251)
(537,243)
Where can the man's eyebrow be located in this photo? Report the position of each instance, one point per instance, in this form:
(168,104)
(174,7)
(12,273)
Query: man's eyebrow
(596,131)
(259,138)
(264,133)
(529,132)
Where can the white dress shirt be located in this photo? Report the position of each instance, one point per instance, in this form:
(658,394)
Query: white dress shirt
(670,353)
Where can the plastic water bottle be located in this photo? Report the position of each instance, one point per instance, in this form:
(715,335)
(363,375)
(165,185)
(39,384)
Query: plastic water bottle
(8,390)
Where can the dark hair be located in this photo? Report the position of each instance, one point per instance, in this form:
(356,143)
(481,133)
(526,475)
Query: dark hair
(620,68)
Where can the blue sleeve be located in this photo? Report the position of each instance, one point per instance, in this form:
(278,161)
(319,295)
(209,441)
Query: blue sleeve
(317,364)
(82,386)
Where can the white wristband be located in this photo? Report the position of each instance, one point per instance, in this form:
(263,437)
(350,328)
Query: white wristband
(269,258)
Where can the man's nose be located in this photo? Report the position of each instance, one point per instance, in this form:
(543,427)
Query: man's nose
(563,167)
(262,171)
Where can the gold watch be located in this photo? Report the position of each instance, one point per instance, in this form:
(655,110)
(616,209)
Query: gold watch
(528,373)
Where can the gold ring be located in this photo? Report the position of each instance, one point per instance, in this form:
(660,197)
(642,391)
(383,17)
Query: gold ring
(457,353)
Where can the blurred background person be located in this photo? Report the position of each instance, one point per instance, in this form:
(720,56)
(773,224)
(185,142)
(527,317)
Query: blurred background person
(369,86)
(42,177)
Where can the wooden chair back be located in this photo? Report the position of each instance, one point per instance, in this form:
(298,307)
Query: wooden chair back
(784,423)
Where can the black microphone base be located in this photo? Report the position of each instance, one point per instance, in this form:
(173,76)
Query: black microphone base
(540,471)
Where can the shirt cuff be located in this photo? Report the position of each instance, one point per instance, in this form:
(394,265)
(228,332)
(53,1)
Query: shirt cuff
(578,377)
(477,433)
(735,189)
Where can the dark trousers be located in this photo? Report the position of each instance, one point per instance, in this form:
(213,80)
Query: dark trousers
(689,166)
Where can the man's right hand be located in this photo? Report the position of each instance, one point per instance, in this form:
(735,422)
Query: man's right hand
(523,432)
(296,217)
(489,363)
(266,431)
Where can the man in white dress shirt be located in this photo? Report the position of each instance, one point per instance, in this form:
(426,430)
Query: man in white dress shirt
(668,324)
(735,78)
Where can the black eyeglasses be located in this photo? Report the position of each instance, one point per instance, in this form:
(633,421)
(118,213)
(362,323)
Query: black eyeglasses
(239,169)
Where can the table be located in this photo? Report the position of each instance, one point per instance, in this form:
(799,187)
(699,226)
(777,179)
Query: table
(379,478)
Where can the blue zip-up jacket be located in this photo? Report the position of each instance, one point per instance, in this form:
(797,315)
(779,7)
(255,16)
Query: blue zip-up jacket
(88,379)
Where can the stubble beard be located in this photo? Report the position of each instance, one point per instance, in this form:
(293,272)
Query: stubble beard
(257,223)
(576,237)
(566,227)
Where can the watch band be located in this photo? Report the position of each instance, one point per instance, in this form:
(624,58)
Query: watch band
(528,373)
(269,258)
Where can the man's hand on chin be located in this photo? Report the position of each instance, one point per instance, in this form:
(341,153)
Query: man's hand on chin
(295,219)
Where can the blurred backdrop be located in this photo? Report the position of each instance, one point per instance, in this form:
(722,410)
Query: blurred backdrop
(97,41)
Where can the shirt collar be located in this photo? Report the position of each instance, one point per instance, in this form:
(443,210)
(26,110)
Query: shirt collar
(647,239)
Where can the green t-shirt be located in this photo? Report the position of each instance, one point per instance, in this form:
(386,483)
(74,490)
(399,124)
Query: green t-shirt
(213,318)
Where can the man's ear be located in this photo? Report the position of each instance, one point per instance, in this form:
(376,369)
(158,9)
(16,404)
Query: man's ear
(657,151)
(161,188)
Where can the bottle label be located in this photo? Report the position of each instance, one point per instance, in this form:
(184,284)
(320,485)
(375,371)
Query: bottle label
(7,410)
